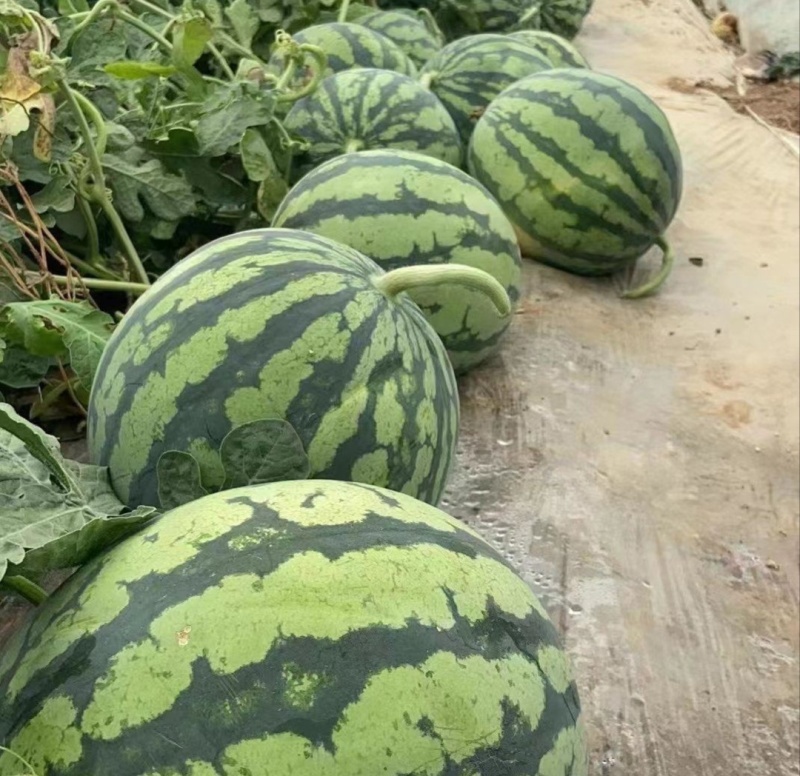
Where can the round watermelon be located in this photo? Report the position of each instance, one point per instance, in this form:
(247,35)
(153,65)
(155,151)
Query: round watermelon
(306,628)
(563,17)
(585,166)
(408,30)
(357,110)
(348,45)
(558,50)
(467,74)
(276,324)
(404,209)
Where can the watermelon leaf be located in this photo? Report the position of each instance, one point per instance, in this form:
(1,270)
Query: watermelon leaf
(244,19)
(178,479)
(55,328)
(263,451)
(54,513)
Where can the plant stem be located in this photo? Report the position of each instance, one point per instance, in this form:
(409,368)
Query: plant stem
(406,278)
(92,234)
(98,284)
(320,63)
(353,145)
(652,285)
(80,106)
(153,8)
(134,21)
(24,587)
(223,63)
(343,9)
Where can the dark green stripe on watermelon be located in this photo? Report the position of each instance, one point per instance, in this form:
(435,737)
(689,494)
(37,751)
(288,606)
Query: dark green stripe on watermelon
(558,50)
(564,17)
(275,323)
(401,208)
(358,110)
(467,74)
(585,166)
(324,628)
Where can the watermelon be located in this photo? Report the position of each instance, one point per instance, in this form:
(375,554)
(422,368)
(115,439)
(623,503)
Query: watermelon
(558,50)
(585,166)
(563,17)
(408,31)
(366,108)
(277,324)
(307,628)
(348,45)
(402,208)
(467,74)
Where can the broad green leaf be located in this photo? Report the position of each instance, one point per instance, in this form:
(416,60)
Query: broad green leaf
(130,70)
(44,526)
(21,369)
(17,434)
(189,38)
(52,327)
(271,192)
(167,196)
(244,19)
(256,157)
(57,195)
(178,479)
(263,451)
(226,116)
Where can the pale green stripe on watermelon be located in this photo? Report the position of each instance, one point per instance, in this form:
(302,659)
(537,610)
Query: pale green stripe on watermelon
(558,50)
(464,17)
(584,164)
(401,209)
(347,45)
(177,374)
(467,74)
(405,29)
(188,648)
(357,110)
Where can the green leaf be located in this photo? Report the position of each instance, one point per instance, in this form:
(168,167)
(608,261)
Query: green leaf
(257,159)
(263,451)
(189,38)
(52,327)
(244,20)
(167,196)
(178,479)
(130,70)
(57,195)
(21,369)
(227,115)
(46,525)
(271,192)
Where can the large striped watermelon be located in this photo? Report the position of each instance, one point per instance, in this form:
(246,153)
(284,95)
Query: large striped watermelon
(467,74)
(402,208)
(563,17)
(275,323)
(304,628)
(408,30)
(356,110)
(586,167)
(347,45)
(558,50)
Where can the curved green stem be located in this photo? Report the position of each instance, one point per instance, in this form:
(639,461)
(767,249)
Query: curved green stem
(97,283)
(343,9)
(135,21)
(426,79)
(320,63)
(221,61)
(81,107)
(92,15)
(353,145)
(92,235)
(24,587)
(405,278)
(652,285)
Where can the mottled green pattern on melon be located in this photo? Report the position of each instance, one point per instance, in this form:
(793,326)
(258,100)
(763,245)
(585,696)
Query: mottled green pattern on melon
(406,30)
(325,628)
(348,45)
(402,208)
(357,110)
(585,166)
(467,74)
(469,17)
(275,324)
(564,17)
(558,50)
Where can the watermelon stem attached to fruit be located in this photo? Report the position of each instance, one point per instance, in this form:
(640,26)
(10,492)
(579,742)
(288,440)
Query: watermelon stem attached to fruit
(405,278)
(30,591)
(658,279)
